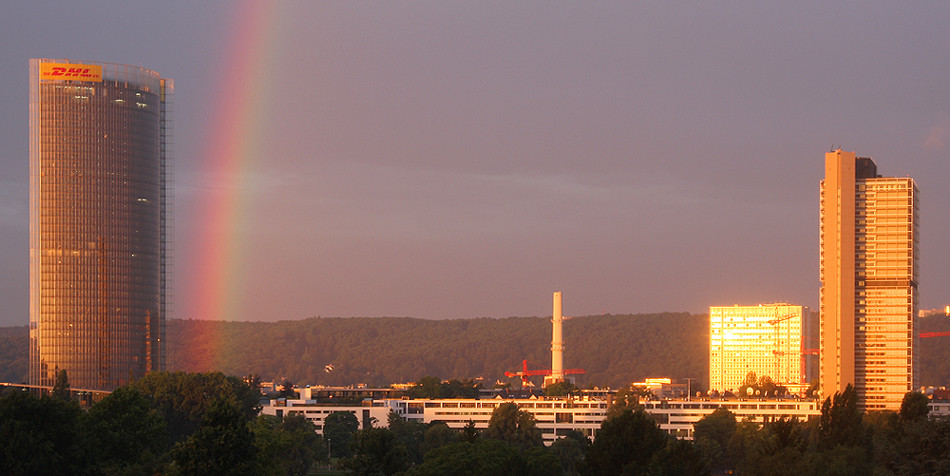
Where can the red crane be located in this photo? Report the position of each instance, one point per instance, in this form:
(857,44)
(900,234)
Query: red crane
(525,373)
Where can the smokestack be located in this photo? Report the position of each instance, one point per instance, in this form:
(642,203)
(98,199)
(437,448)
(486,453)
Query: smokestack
(557,342)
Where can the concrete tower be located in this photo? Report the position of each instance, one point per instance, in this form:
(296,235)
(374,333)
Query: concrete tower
(557,341)
(869,270)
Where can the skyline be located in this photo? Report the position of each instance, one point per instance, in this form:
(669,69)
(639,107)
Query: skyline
(455,161)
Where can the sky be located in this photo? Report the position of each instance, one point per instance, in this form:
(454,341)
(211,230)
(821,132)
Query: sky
(449,159)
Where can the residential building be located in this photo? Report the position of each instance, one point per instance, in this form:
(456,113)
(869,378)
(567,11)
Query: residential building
(99,211)
(869,273)
(766,339)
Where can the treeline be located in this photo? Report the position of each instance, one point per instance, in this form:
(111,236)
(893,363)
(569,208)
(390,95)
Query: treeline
(165,423)
(614,349)
(208,424)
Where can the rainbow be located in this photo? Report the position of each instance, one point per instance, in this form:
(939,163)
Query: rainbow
(233,144)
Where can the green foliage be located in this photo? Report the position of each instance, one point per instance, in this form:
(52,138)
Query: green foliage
(569,451)
(763,386)
(338,431)
(126,435)
(560,389)
(380,351)
(486,456)
(513,426)
(376,451)
(778,448)
(288,446)
(919,446)
(434,387)
(840,421)
(410,433)
(61,386)
(222,445)
(914,406)
(625,399)
(679,457)
(625,444)
(713,434)
(470,433)
(183,398)
(40,435)
(437,435)
(14,354)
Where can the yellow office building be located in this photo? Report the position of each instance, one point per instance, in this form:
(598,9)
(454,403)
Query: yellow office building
(765,339)
(869,270)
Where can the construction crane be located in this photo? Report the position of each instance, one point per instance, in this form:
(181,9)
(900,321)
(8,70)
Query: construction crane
(779,354)
(525,373)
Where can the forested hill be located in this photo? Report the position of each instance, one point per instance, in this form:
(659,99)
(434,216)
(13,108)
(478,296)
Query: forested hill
(377,351)
(613,349)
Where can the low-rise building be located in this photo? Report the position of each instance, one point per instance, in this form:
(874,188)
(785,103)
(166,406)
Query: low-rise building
(677,417)
(555,416)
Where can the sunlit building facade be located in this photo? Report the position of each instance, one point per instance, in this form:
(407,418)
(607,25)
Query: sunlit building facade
(869,272)
(766,339)
(99,210)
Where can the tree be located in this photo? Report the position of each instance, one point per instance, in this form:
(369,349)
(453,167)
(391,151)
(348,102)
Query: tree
(222,445)
(286,390)
(625,399)
(40,435)
(376,451)
(437,435)
(569,450)
(712,435)
(469,432)
(914,406)
(679,457)
(560,389)
(410,433)
(840,421)
(778,448)
(61,386)
(625,444)
(287,446)
(126,435)
(183,398)
(485,456)
(513,426)
(427,387)
(338,431)
(921,446)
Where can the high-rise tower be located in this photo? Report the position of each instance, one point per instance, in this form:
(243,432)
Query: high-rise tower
(99,211)
(868,262)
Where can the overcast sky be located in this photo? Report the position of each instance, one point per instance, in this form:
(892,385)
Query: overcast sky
(453,159)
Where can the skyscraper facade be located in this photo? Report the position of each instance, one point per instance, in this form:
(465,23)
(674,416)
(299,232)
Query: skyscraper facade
(868,270)
(99,211)
(765,339)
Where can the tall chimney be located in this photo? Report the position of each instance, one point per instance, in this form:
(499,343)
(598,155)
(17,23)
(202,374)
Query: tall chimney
(557,343)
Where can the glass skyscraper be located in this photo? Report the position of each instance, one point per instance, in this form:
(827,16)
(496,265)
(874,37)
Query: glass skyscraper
(99,213)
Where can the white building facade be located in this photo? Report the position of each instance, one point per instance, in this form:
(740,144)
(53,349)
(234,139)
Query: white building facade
(555,416)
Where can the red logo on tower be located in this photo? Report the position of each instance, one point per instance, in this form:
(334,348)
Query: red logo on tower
(71,72)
